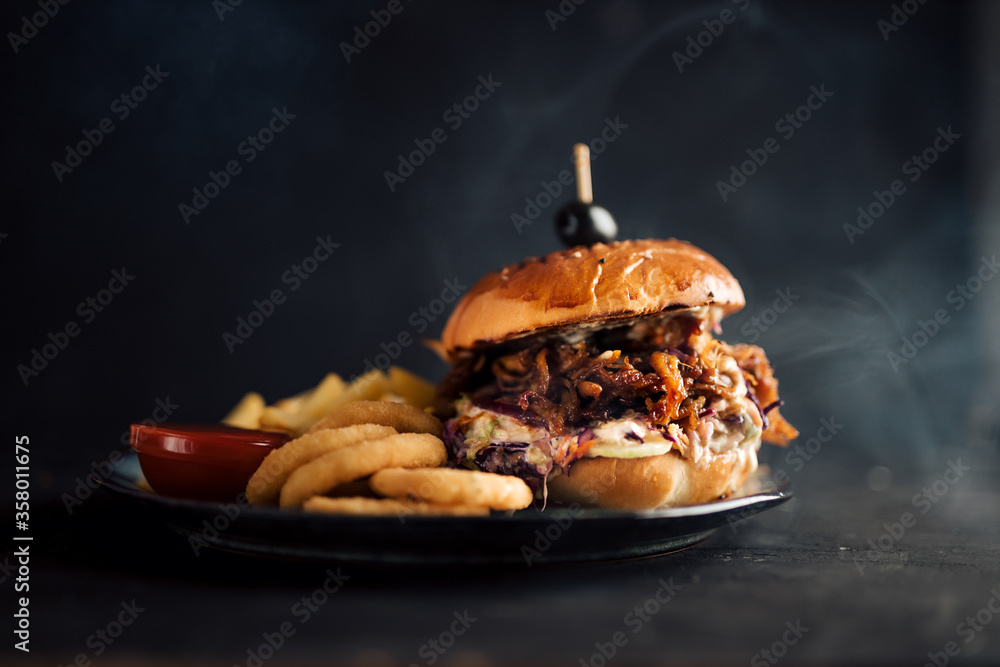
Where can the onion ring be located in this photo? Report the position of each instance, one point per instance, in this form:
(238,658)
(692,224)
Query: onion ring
(403,450)
(400,416)
(264,486)
(388,506)
(444,486)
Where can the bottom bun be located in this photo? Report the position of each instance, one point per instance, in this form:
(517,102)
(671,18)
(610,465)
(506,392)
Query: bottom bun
(654,481)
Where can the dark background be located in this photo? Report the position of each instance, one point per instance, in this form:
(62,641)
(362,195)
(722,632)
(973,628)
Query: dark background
(162,337)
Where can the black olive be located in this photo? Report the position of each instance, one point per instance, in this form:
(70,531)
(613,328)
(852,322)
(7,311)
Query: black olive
(585,224)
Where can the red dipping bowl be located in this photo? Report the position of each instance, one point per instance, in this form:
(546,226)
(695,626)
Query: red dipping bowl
(201,461)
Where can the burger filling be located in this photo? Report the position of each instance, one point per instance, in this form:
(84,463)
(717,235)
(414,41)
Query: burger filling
(644,388)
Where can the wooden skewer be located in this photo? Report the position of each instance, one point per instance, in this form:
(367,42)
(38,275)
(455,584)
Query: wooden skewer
(584,188)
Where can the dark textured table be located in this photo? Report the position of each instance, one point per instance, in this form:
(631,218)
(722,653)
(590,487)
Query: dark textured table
(840,574)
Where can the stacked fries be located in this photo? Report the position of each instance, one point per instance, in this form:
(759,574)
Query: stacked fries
(297,414)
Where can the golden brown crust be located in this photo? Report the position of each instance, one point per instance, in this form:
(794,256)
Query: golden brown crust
(595,283)
(403,417)
(654,481)
(264,486)
(403,450)
(388,507)
(447,486)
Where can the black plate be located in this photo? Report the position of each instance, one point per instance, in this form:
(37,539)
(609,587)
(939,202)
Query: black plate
(527,537)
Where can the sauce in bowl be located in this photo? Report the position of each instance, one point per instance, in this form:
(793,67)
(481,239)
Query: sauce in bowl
(201,461)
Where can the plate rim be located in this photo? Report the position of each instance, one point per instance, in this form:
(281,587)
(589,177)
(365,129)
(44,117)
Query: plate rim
(769,497)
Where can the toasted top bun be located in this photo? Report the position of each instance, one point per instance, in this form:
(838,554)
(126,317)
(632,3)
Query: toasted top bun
(590,284)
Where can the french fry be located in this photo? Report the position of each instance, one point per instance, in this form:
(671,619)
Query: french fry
(276,418)
(332,394)
(294,403)
(247,412)
(297,414)
(368,387)
(414,390)
(323,398)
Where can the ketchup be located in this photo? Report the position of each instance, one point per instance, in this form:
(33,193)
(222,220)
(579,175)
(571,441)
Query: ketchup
(201,461)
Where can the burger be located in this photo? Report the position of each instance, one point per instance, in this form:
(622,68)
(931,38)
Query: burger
(593,374)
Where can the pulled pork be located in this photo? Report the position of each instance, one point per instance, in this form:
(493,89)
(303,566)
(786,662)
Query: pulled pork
(668,368)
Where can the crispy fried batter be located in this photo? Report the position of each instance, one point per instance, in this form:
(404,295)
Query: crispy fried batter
(265,485)
(400,416)
(388,506)
(403,450)
(446,486)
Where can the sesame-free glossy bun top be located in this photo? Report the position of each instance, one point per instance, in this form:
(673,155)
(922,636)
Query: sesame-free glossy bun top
(590,284)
